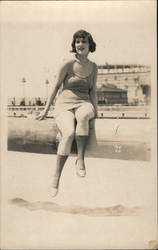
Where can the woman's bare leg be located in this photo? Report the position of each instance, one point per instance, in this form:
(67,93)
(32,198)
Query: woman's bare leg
(83,116)
(81,142)
(61,159)
(66,125)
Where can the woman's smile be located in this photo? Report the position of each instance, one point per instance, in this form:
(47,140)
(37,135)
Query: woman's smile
(82,46)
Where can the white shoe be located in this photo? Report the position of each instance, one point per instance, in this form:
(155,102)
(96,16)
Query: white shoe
(54,187)
(53,191)
(80,172)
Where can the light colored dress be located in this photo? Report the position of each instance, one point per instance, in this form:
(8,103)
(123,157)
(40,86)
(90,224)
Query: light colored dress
(75,91)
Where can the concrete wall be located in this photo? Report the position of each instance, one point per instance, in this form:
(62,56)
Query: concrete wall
(109,138)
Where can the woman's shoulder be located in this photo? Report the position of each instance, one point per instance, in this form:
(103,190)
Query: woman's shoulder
(93,64)
(68,62)
(65,66)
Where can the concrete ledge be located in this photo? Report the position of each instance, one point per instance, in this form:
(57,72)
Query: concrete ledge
(109,138)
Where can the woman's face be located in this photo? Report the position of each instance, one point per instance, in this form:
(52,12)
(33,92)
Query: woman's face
(82,45)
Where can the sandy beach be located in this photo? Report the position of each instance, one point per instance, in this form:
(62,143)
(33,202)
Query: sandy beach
(114,207)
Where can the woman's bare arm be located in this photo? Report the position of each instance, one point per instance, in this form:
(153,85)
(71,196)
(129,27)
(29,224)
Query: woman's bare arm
(93,94)
(56,86)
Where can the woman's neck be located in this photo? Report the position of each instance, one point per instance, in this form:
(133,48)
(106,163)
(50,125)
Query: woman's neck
(82,59)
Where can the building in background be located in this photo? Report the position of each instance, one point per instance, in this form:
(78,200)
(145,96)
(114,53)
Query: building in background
(135,79)
(109,94)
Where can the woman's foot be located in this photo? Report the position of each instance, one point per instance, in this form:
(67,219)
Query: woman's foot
(55,186)
(53,191)
(80,168)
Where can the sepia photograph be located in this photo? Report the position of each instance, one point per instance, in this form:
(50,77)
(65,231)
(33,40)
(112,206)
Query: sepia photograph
(78,97)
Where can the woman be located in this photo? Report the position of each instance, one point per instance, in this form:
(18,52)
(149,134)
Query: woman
(76,104)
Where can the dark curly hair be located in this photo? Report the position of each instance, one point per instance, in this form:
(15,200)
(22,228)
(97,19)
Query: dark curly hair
(83,34)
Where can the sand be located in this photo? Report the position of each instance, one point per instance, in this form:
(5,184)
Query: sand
(114,207)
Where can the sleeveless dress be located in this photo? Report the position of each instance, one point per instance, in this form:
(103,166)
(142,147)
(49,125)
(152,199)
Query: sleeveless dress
(75,92)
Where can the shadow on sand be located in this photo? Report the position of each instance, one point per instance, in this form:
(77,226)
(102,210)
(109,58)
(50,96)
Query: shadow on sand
(118,210)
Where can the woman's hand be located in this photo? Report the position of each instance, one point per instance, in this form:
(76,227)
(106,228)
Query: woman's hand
(41,116)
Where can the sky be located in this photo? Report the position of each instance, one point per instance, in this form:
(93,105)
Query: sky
(36,38)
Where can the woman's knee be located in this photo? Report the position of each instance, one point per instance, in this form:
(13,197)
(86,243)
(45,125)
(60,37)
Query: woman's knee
(84,114)
(69,134)
(83,118)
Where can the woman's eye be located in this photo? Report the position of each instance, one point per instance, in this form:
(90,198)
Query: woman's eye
(83,41)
